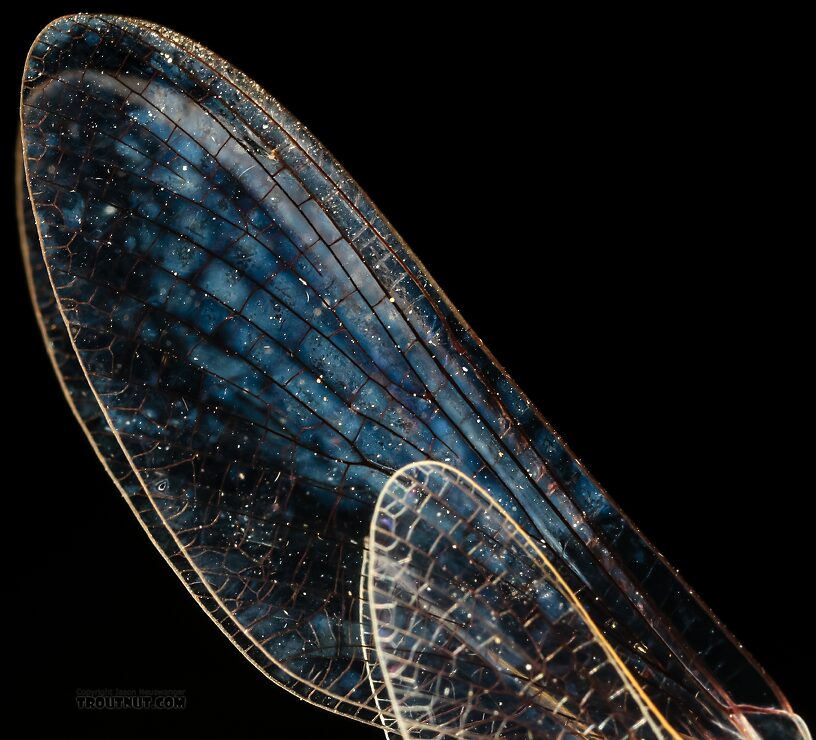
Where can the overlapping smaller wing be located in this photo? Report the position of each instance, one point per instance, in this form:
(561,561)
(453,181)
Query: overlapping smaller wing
(477,634)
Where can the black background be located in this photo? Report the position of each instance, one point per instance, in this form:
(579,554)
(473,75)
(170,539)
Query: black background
(613,209)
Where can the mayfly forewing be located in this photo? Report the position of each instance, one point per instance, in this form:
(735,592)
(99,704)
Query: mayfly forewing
(477,634)
(265,351)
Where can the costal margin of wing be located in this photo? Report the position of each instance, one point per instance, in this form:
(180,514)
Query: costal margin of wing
(486,424)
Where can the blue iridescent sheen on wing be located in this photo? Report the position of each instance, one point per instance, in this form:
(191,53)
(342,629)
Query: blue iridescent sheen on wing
(88,411)
(266,351)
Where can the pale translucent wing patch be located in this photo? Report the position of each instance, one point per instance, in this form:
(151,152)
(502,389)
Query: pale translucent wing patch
(477,634)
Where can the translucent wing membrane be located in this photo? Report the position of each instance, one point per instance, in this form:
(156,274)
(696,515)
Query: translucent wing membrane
(254,351)
(477,633)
